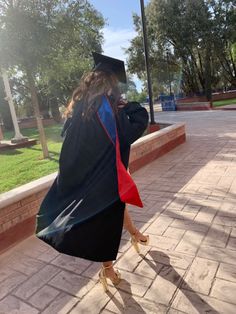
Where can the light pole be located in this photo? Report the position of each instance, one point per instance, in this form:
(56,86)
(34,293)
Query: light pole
(18,136)
(168,69)
(145,45)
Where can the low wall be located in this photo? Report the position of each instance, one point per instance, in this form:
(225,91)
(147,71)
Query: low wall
(193,106)
(31,123)
(222,96)
(19,206)
(216,96)
(154,145)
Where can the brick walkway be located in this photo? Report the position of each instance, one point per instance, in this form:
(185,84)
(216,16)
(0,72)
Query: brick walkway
(190,214)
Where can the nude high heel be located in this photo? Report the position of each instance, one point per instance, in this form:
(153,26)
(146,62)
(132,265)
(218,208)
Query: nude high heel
(103,277)
(135,242)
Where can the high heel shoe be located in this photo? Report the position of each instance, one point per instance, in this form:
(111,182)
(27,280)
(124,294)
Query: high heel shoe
(103,277)
(135,241)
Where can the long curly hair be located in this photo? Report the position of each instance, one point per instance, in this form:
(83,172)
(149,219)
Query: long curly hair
(92,87)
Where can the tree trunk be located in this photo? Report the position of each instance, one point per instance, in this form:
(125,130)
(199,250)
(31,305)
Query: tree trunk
(44,106)
(35,103)
(55,110)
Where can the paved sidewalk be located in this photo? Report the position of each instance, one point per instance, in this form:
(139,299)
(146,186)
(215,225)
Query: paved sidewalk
(190,214)
(226,107)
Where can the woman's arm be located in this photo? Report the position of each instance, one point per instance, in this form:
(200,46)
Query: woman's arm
(133,121)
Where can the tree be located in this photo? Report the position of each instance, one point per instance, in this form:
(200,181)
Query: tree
(224,38)
(162,70)
(81,25)
(135,96)
(23,31)
(234,52)
(43,39)
(199,36)
(129,86)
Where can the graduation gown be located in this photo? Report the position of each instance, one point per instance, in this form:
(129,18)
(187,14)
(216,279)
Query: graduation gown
(82,213)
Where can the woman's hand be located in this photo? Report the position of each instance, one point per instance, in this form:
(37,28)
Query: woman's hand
(122,103)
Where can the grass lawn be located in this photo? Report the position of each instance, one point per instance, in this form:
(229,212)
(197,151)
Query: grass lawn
(224,102)
(20,166)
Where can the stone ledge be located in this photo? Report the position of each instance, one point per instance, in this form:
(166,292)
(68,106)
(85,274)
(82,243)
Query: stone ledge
(26,190)
(6,145)
(193,106)
(158,134)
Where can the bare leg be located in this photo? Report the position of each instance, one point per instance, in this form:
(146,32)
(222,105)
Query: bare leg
(130,227)
(128,223)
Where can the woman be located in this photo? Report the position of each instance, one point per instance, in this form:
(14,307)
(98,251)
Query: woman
(84,211)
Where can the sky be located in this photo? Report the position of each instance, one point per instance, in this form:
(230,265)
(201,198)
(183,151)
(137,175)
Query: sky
(119,28)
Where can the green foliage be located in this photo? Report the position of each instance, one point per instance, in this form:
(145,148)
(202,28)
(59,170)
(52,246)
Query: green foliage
(164,66)
(234,52)
(54,40)
(77,32)
(135,96)
(128,87)
(198,36)
(24,35)
(223,39)
(131,92)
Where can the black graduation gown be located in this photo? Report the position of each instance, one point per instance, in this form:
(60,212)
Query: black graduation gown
(82,214)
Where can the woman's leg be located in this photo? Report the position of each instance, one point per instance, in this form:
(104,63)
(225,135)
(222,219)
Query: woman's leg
(110,273)
(128,223)
(130,227)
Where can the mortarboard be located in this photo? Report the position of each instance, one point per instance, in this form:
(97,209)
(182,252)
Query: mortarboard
(108,64)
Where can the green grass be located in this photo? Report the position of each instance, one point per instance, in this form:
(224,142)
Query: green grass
(224,102)
(20,166)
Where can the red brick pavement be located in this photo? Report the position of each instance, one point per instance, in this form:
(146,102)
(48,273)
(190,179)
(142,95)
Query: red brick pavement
(190,215)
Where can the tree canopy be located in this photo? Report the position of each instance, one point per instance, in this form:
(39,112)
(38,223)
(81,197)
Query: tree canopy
(52,38)
(49,44)
(191,44)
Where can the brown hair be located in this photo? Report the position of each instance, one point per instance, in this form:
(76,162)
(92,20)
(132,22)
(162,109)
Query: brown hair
(92,86)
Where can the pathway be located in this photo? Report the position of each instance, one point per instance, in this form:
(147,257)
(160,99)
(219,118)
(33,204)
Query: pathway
(190,214)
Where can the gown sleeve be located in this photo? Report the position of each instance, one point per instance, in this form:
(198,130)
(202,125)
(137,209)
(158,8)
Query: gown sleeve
(65,127)
(132,121)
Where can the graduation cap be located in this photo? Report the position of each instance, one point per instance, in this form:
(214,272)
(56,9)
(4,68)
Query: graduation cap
(108,64)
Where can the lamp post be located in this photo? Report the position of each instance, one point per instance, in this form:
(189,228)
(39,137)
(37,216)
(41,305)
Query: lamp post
(1,135)
(18,136)
(168,69)
(145,45)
